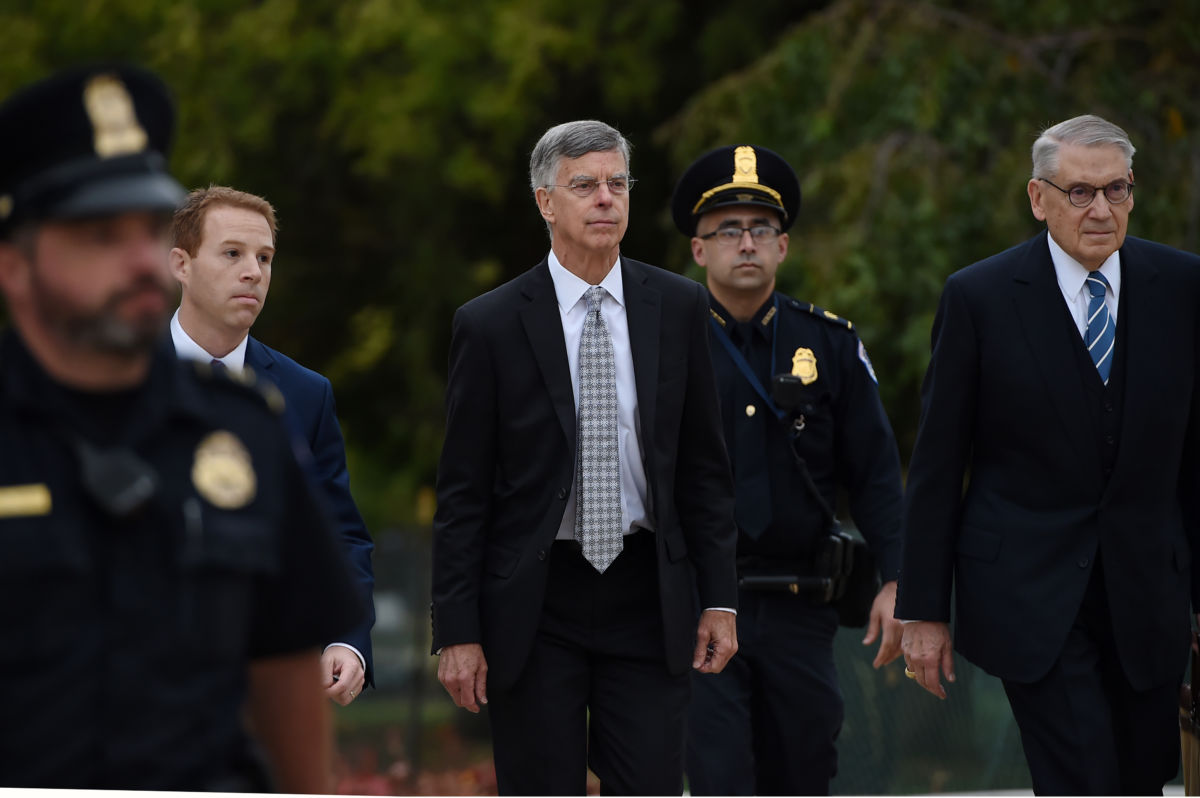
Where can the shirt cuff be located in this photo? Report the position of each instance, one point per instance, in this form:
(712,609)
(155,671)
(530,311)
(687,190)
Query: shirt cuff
(361,660)
(721,609)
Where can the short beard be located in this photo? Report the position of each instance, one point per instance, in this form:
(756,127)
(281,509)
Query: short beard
(104,331)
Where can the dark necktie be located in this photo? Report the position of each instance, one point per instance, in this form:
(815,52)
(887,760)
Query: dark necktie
(1101,332)
(218,367)
(752,479)
(598,472)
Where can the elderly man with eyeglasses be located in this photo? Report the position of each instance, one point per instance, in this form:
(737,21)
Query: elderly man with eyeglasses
(802,419)
(1055,483)
(585,509)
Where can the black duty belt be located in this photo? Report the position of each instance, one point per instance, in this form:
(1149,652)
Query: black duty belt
(822,577)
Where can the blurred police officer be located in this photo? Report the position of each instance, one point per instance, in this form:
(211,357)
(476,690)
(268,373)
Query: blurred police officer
(163,565)
(768,723)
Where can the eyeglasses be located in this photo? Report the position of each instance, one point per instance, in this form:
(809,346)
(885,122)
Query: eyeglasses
(1081,196)
(761,233)
(586,186)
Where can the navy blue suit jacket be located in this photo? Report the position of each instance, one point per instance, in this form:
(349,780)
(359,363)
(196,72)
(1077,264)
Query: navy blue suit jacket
(1004,401)
(311,419)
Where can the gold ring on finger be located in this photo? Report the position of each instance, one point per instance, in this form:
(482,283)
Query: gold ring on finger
(910,674)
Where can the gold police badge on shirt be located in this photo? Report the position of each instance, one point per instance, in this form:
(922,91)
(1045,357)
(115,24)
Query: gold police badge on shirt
(24,500)
(804,365)
(222,471)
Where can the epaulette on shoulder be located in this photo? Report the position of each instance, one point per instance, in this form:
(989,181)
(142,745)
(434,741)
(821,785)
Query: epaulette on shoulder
(821,313)
(243,381)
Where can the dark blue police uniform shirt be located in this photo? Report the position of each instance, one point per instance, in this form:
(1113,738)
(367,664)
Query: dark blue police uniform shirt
(847,441)
(124,643)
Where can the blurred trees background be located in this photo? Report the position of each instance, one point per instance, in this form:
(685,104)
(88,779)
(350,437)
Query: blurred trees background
(393,137)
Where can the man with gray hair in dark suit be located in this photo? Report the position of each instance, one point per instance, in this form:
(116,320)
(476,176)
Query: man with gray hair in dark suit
(1063,392)
(584,497)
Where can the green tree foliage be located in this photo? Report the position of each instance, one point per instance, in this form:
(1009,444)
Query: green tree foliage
(393,138)
(910,124)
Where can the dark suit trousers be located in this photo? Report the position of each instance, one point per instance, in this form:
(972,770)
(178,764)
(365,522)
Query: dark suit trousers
(1085,730)
(595,691)
(767,724)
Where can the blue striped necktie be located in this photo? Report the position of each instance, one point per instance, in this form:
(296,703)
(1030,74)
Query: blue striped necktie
(1101,330)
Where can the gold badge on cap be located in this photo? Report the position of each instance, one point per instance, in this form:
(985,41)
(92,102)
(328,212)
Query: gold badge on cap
(115,128)
(6,206)
(745,175)
(804,365)
(745,165)
(222,471)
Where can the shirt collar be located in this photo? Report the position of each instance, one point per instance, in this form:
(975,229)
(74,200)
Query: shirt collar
(760,321)
(569,288)
(188,349)
(1072,274)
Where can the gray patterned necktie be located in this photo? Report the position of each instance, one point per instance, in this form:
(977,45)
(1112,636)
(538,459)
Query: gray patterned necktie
(598,471)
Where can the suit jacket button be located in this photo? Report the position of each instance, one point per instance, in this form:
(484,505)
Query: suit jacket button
(541,554)
(1083,562)
(562,493)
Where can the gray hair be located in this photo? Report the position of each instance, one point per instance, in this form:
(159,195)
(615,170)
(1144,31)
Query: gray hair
(572,140)
(1086,131)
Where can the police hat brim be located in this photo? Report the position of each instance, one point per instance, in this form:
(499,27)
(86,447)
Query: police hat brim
(118,194)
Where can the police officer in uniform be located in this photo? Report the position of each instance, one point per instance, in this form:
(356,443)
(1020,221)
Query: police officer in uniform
(768,723)
(165,574)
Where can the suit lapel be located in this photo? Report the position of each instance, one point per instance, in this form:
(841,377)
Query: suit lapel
(543,327)
(642,309)
(1041,312)
(257,356)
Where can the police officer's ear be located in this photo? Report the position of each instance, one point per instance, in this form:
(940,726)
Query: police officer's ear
(181,264)
(699,254)
(782,243)
(16,256)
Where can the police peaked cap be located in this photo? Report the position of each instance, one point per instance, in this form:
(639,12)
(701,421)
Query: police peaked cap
(86,142)
(735,175)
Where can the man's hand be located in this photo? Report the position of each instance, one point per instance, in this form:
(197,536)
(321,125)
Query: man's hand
(882,611)
(462,670)
(716,641)
(342,674)
(927,648)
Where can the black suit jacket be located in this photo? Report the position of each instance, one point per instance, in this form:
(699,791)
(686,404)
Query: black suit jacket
(508,463)
(311,418)
(1004,400)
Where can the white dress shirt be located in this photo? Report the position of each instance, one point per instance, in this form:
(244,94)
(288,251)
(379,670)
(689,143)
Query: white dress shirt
(572,309)
(188,349)
(1071,278)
